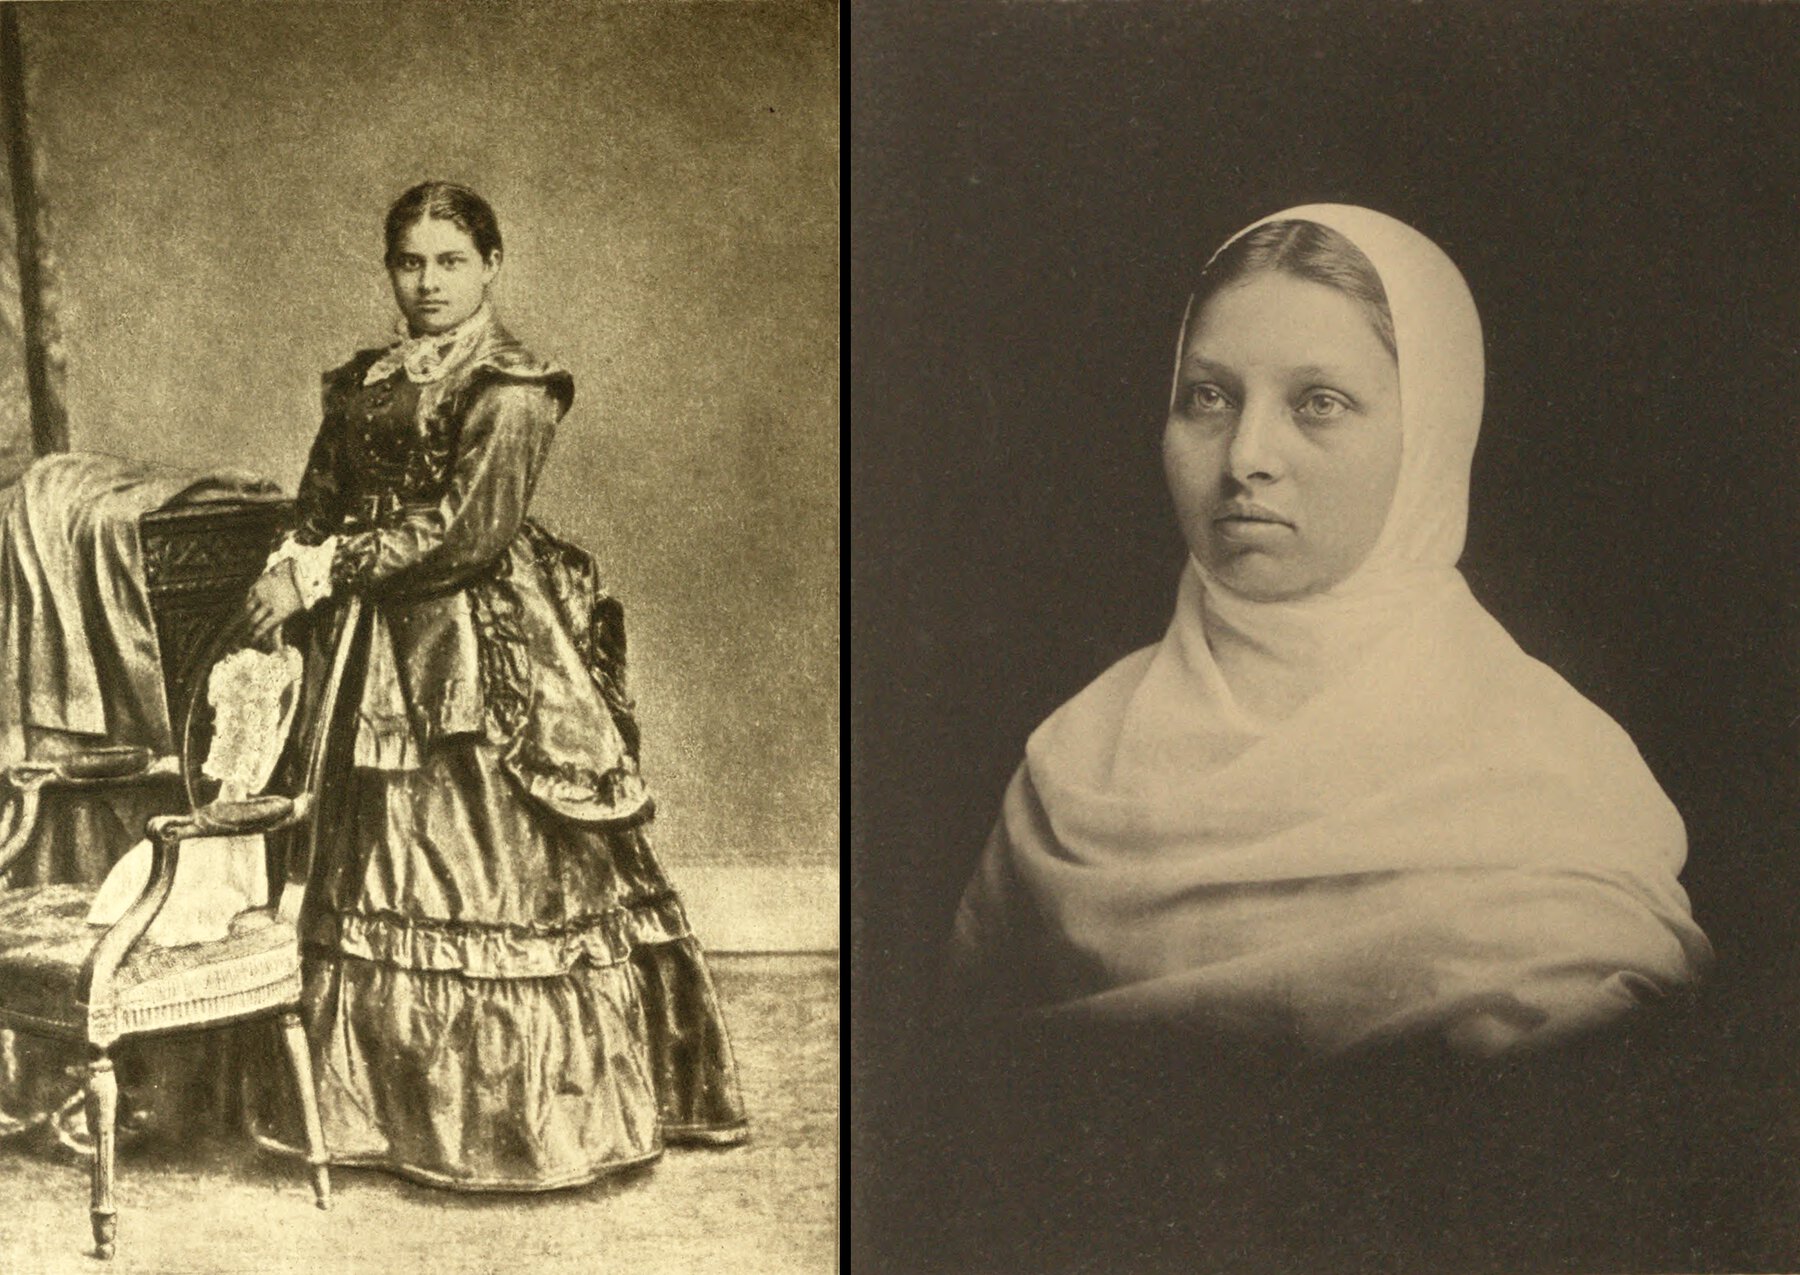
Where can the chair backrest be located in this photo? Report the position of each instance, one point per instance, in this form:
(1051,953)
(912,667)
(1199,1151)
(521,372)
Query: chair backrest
(198,561)
(259,721)
(241,705)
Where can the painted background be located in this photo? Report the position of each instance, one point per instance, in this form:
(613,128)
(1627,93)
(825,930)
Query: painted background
(666,180)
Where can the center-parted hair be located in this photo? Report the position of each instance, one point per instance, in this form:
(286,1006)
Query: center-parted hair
(1305,250)
(445,201)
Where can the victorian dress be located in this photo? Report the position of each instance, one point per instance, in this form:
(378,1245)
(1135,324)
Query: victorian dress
(501,987)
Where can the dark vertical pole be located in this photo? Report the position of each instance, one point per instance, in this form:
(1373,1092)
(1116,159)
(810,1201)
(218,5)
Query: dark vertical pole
(49,419)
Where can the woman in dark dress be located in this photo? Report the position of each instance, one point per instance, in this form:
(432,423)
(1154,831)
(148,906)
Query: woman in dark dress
(501,985)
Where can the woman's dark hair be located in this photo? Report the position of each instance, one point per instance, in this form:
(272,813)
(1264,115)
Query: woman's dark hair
(445,201)
(1306,250)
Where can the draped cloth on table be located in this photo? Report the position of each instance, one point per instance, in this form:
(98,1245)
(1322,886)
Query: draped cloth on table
(76,631)
(1356,815)
(82,667)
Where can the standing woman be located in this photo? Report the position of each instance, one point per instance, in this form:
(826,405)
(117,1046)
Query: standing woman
(502,990)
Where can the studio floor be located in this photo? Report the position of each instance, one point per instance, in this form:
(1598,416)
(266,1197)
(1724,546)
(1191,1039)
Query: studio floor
(218,1205)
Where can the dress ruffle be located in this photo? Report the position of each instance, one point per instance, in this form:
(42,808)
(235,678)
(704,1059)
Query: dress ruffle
(499,951)
(517,1084)
(490,1084)
(499,998)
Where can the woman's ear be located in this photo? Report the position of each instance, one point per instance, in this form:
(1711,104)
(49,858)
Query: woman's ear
(491,266)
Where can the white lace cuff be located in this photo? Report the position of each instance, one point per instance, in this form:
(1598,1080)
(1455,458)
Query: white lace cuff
(312,567)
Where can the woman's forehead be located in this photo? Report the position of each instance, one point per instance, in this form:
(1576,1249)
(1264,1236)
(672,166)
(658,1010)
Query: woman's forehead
(1276,319)
(430,235)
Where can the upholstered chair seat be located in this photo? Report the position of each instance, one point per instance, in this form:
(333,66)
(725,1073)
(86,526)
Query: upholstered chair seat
(46,940)
(93,964)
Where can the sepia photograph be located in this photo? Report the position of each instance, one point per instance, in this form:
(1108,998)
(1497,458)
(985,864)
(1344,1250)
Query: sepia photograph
(1325,638)
(419,584)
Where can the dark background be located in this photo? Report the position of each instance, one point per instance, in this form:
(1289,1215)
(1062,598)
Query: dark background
(1034,187)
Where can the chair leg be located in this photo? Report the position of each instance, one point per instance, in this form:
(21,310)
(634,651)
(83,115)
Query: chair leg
(103,1118)
(293,1035)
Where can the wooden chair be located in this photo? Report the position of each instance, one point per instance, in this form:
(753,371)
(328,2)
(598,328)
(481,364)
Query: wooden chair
(63,978)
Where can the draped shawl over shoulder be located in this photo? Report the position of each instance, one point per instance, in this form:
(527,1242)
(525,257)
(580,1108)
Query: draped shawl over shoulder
(1359,814)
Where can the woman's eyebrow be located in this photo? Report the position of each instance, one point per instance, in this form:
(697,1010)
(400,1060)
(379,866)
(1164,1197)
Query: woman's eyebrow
(1198,363)
(1323,372)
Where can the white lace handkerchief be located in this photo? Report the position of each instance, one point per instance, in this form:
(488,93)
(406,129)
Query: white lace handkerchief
(253,695)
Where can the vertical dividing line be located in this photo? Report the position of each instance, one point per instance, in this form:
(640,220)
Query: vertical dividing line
(49,420)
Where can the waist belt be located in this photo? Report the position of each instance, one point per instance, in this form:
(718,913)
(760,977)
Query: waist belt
(364,513)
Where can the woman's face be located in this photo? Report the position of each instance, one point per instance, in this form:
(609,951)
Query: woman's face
(1283,445)
(438,275)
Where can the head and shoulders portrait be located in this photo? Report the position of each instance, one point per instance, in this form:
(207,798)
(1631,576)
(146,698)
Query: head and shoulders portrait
(1324,742)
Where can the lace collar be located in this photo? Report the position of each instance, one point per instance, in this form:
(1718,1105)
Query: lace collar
(430,358)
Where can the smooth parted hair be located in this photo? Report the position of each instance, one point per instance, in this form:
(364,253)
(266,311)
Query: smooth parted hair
(445,201)
(1305,250)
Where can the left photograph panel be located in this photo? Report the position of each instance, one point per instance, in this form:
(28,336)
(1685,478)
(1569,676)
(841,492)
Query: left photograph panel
(418,437)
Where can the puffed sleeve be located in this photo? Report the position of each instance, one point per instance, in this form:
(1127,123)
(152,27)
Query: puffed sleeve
(505,437)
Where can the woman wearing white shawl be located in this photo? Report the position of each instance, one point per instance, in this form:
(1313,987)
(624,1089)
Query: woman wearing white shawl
(1336,804)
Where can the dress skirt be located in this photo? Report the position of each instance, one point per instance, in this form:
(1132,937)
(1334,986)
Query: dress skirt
(498,998)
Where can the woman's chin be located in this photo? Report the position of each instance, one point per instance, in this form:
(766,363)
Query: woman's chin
(430,322)
(1258,577)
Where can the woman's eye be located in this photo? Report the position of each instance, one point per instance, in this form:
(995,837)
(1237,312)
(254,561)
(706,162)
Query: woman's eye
(1207,398)
(1322,406)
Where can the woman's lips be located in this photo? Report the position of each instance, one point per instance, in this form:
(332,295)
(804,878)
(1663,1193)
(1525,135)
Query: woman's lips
(1248,515)
(1249,524)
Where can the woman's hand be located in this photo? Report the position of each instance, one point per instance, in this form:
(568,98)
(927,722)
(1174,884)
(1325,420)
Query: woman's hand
(272,601)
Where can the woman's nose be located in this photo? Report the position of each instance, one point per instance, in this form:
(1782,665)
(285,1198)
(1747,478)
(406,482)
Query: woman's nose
(1252,454)
(428,279)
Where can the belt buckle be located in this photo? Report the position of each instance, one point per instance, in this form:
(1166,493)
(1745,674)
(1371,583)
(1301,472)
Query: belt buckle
(372,511)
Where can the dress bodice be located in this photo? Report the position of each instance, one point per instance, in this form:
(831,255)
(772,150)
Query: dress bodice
(483,622)
(393,449)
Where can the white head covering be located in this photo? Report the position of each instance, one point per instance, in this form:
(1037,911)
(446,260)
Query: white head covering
(1438,338)
(1356,812)
(1271,656)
